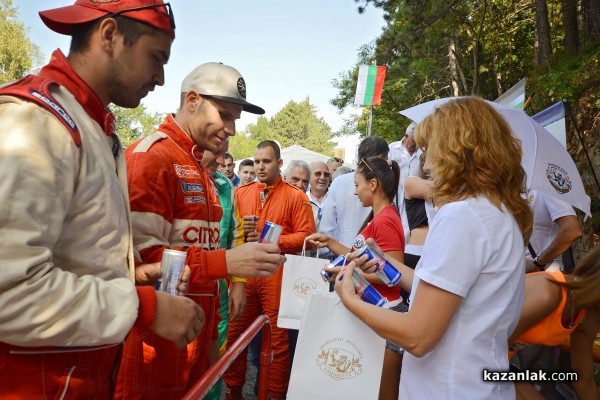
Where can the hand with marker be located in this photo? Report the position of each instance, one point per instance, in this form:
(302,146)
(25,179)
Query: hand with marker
(250,228)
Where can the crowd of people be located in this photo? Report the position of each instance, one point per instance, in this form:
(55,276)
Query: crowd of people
(85,223)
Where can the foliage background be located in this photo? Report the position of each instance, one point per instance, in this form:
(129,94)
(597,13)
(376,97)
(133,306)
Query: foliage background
(432,48)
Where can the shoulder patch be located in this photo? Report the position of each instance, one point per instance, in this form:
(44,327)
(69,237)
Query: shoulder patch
(36,89)
(146,143)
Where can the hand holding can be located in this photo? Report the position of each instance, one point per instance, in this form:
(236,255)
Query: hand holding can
(328,271)
(172,266)
(384,270)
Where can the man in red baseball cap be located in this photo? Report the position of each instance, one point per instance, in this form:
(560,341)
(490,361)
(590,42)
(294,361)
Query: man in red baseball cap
(68,267)
(151,12)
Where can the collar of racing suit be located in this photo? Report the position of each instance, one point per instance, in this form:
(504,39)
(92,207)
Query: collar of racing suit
(183,140)
(60,70)
(263,186)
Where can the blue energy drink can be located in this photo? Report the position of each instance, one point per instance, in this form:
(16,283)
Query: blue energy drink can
(366,291)
(338,262)
(270,233)
(384,269)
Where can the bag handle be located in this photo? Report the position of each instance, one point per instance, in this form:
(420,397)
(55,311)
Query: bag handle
(304,248)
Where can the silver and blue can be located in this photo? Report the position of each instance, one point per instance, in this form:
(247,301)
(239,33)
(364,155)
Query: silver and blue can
(270,233)
(384,269)
(366,291)
(338,262)
(172,266)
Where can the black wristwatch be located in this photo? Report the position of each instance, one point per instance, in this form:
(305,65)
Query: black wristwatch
(537,264)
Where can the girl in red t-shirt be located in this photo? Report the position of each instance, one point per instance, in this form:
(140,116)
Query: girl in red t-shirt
(376,185)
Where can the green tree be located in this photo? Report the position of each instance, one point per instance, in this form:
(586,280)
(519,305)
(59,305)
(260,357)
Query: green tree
(298,123)
(295,123)
(262,130)
(242,145)
(134,123)
(18,55)
(442,48)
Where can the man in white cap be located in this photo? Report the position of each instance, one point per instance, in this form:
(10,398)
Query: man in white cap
(67,292)
(174,203)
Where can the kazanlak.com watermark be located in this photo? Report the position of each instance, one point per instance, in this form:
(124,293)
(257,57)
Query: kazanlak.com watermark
(528,376)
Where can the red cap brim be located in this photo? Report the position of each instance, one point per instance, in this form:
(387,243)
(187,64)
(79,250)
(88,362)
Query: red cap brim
(61,20)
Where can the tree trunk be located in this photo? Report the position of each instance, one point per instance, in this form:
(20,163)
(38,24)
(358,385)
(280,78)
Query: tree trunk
(569,17)
(590,10)
(453,64)
(475,87)
(543,45)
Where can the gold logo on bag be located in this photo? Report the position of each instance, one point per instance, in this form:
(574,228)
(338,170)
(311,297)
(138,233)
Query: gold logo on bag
(340,359)
(303,286)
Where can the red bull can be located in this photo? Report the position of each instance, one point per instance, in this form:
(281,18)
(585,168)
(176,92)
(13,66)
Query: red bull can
(338,262)
(172,266)
(270,233)
(366,291)
(384,269)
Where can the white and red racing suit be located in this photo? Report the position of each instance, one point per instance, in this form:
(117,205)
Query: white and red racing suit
(67,296)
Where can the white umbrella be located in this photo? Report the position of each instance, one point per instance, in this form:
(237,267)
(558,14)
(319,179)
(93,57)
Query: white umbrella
(548,165)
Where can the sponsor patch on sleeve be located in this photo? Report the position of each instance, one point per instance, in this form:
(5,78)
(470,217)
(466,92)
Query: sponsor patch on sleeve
(194,199)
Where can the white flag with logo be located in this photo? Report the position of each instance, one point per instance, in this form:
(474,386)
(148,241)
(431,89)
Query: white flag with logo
(553,119)
(515,96)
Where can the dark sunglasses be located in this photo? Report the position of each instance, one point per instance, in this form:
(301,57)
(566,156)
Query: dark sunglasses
(166,5)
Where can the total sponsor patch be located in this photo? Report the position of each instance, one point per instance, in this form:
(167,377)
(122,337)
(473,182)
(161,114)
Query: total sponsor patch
(186,171)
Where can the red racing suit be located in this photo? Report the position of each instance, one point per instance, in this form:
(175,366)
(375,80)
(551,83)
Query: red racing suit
(67,293)
(289,207)
(174,204)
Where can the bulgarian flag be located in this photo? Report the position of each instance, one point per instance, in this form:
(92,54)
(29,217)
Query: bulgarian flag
(370,85)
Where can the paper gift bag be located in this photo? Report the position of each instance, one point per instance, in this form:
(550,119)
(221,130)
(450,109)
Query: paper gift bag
(337,356)
(301,277)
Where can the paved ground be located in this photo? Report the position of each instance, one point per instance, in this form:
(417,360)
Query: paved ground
(249,386)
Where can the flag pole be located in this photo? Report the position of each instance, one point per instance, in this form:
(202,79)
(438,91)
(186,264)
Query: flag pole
(371,110)
(370,120)
(528,102)
(568,107)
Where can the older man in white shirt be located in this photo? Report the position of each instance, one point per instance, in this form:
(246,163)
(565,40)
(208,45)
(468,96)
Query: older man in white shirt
(317,188)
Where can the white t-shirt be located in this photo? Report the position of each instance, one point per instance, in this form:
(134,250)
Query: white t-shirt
(546,210)
(475,251)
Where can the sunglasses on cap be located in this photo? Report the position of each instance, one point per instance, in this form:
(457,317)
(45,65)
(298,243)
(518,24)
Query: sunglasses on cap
(166,5)
(335,159)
